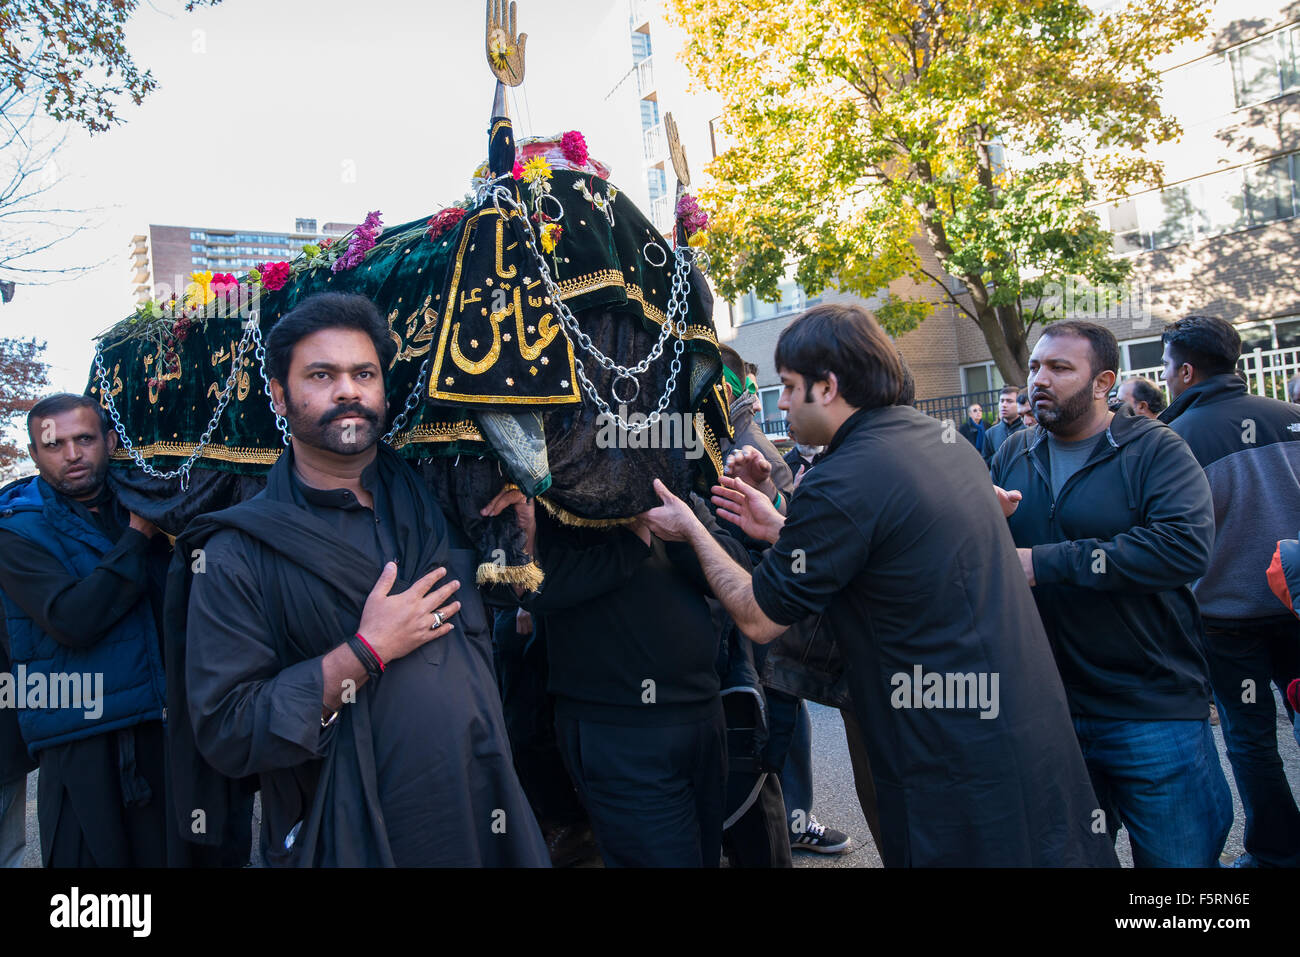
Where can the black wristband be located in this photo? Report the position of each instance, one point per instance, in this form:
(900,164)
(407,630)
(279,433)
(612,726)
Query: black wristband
(366,657)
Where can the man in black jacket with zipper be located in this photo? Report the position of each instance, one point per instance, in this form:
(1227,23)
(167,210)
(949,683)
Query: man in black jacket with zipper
(1248,446)
(1113,522)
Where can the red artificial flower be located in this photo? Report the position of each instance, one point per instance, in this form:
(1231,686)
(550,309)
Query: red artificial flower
(445,221)
(274,275)
(518,171)
(326,243)
(574,147)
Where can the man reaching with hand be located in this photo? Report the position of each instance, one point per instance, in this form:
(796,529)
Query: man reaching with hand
(366,705)
(950,672)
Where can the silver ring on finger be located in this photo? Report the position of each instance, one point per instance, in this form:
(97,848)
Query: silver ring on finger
(437,622)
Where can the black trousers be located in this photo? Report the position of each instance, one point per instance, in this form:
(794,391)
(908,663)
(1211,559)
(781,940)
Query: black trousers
(656,796)
(1245,658)
(87,817)
(522,670)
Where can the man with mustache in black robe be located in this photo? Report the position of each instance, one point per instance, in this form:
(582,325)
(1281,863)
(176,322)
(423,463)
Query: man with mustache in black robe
(366,706)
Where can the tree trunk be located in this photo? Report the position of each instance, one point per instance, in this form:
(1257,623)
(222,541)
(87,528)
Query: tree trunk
(1007,343)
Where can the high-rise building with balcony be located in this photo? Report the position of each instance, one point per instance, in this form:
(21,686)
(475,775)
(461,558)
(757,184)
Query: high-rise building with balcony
(163,258)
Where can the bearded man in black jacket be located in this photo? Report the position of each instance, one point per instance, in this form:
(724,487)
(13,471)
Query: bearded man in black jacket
(1113,521)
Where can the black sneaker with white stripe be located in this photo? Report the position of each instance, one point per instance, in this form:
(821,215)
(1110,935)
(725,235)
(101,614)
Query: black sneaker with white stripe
(821,839)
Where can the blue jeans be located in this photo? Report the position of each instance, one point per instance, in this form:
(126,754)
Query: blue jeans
(796,776)
(13,822)
(1255,655)
(1162,780)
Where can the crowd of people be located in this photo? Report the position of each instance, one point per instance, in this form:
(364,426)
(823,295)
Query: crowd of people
(1023,631)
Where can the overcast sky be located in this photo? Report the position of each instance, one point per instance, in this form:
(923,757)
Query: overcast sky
(271,109)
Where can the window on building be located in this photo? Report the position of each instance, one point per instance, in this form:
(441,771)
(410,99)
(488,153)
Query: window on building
(1141,353)
(983,377)
(1287,332)
(657,182)
(641,48)
(1122,220)
(793,299)
(1207,206)
(1267,67)
(1219,204)
(198,234)
(649,113)
(1256,335)
(770,397)
(1269,188)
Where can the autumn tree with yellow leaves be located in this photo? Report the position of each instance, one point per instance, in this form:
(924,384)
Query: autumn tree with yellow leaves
(860,126)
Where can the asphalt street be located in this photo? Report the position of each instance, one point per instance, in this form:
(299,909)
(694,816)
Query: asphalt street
(835,803)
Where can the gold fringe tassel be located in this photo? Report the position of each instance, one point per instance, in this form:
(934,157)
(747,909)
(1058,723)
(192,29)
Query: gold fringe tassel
(564,516)
(530,575)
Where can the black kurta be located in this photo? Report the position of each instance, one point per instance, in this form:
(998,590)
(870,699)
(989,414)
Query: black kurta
(897,541)
(436,757)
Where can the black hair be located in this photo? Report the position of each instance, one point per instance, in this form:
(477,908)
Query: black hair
(1105,347)
(1208,344)
(326,310)
(731,359)
(1022,398)
(1144,390)
(845,340)
(62,402)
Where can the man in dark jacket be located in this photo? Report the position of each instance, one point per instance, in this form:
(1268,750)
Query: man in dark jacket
(1009,421)
(82,592)
(975,431)
(1249,448)
(1113,524)
(957,696)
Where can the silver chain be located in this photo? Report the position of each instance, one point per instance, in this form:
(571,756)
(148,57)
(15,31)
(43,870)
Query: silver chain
(280,422)
(183,470)
(676,322)
(411,401)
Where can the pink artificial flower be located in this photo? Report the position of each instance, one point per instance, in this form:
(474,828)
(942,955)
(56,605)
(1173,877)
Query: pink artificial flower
(574,147)
(690,215)
(518,171)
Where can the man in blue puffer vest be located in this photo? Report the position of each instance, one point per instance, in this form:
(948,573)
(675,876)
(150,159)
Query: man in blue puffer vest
(81,585)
